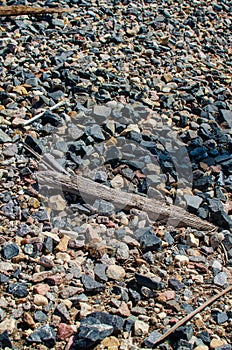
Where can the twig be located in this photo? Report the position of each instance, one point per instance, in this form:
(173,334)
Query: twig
(81,185)
(37,116)
(192,314)
(17,10)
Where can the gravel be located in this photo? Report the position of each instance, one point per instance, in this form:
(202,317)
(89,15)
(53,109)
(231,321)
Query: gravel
(135,96)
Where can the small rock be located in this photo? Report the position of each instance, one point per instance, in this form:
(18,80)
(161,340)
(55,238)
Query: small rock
(220,279)
(91,285)
(64,331)
(175,284)
(62,311)
(41,288)
(182,260)
(19,290)
(193,202)
(63,244)
(141,328)
(192,241)
(43,334)
(219,317)
(5,341)
(10,250)
(216,343)
(150,242)
(115,272)
(149,282)
(111,343)
(9,324)
(40,300)
(57,202)
(103,207)
(117,182)
(152,339)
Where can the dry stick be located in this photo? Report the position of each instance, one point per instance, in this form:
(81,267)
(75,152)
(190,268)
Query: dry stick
(37,116)
(192,314)
(16,10)
(156,209)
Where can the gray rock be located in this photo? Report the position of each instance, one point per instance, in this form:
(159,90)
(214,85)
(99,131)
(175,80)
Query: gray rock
(103,207)
(10,250)
(91,285)
(220,279)
(149,282)
(43,334)
(193,202)
(150,242)
(4,137)
(152,339)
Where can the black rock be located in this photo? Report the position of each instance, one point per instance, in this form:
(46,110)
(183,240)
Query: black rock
(91,285)
(175,284)
(10,250)
(219,317)
(149,282)
(96,132)
(62,311)
(134,296)
(183,332)
(35,144)
(51,118)
(116,321)
(43,334)
(91,332)
(19,290)
(150,242)
(205,337)
(218,214)
(129,324)
(152,339)
(100,272)
(5,341)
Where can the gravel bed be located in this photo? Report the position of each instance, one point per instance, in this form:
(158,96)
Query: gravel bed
(135,96)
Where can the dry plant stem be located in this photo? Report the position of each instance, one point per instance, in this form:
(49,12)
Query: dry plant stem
(192,314)
(37,116)
(17,10)
(171,214)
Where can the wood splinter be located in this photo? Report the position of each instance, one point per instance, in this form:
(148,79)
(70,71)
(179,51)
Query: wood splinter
(17,10)
(156,210)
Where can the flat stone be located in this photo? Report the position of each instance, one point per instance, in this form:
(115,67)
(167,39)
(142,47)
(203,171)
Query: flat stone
(115,272)
(9,324)
(41,288)
(152,339)
(19,290)
(175,284)
(149,282)
(4,137)
(10,250)
(57,202)
(62,311)
(141,328)
(43,334)
(181,259)
(64,331)
(63,244)
(150,242)
(117,182)
(220,279)
(91,285)
(5,341)
(193,202)
(103,207)
(40,300)
(216,343)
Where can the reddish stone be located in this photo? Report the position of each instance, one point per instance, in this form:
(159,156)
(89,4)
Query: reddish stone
(64,331)
(56,279)
(41,288)
(110,224)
